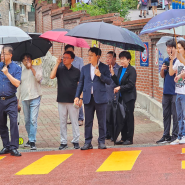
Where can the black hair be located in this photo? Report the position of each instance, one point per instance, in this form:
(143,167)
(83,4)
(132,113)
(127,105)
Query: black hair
(125,54)
(69,46)
(70,53)
(112,53)
(26,55)
(95,50)
(9,47)
(182,43)
(171,43)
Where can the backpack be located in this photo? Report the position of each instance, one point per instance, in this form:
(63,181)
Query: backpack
(144,2)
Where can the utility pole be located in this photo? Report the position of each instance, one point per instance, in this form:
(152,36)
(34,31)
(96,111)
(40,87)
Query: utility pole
(12,13)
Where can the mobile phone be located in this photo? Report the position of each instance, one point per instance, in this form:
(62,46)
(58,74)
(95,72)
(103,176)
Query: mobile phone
(166,63)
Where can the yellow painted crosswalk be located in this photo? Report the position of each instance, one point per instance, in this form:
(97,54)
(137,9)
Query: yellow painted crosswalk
(44,165)
(120,161)
(2,157)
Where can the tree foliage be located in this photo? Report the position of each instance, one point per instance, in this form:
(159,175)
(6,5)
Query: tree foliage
(100,7)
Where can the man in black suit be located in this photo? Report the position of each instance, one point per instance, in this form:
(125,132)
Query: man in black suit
(92,82)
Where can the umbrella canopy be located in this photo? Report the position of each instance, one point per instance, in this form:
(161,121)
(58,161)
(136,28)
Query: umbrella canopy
(59,36)
(166,20)
(161,44)
(108,34)
(12,34)
(115,117)
(37,47)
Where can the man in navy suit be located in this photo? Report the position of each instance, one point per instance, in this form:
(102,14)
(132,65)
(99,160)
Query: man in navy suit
(92,82)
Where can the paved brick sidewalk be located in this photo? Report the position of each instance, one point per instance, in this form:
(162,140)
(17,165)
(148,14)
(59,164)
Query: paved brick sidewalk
(48,135)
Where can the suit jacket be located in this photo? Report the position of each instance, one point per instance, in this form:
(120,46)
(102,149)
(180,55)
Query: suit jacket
(98,83)
(128,81)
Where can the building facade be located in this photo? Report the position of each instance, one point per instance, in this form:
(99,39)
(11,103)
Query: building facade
(18,13)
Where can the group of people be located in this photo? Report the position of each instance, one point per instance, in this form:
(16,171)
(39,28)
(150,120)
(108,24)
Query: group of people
(92,85)
(173,102)
(144,6)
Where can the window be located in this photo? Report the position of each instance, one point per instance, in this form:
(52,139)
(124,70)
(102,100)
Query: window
(22,9)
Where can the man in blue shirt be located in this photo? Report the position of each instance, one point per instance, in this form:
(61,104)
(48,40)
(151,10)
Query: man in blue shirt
(169,97)
(78,63)
(111,60)
(10,77)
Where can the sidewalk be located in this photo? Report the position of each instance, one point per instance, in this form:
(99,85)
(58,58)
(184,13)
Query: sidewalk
(134,14)
(48,135)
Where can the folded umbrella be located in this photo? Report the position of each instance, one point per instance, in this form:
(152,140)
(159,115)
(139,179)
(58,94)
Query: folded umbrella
(37,47)
(108,34)
(59,36)
(116,116)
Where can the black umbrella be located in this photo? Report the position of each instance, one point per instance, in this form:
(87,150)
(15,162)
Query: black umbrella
(108,34)
(115,116)
(37,47)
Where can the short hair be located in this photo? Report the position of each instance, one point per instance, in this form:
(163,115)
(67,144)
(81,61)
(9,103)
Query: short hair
(182,43)
(70,53)
(112,53)
(95,50)
(26,55)
(69,46)
(125,54)
(171,43)
(9,47)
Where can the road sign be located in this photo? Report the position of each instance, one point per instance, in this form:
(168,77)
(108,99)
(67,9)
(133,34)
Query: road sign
(144,56)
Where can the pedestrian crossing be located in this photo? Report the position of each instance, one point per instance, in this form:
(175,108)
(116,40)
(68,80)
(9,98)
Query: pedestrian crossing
(120,161)
(116,161)
(44,165)
(111,161)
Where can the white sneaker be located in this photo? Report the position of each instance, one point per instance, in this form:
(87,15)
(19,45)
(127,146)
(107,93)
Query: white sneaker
(176,142)
(182,141)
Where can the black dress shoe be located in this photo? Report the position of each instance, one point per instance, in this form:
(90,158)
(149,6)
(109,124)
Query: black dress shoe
(101,146)
(76,145)
(119,142)
(14,152)
(63,146)
(127,142)
(87,147)
(4,151)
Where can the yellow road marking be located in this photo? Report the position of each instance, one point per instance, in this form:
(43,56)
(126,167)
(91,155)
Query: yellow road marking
(120,161)
(183,150)
(44,165)
(1,157)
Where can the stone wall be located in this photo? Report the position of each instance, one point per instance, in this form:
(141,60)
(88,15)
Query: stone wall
(48,62)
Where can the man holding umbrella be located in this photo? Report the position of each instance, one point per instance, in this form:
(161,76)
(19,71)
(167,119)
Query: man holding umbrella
(10,77)
(92,82)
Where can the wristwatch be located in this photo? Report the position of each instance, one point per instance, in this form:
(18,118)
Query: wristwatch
(81,98)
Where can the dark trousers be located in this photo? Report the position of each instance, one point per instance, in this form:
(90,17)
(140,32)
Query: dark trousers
(169,108)
(89,116)
(9,107)
(127,132)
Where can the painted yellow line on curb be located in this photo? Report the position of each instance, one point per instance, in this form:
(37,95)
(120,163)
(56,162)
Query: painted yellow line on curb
(44,165)
(120,161)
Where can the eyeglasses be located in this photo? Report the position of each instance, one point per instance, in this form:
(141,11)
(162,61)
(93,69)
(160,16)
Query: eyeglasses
(66,58)
(2,54)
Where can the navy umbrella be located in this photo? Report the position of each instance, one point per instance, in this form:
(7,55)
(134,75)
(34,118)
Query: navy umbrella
(108,34)
(37,47)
